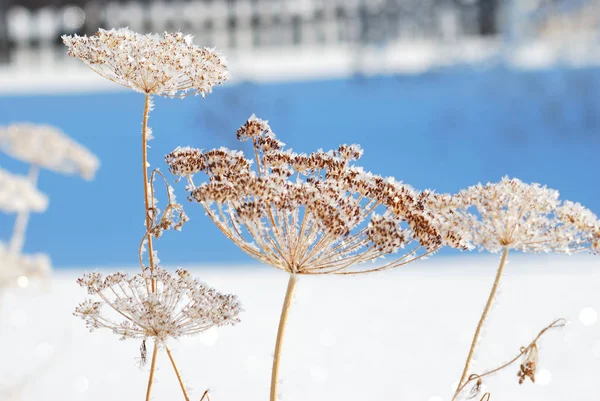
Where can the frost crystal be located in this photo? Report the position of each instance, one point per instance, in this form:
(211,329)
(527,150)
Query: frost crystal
(17,194)
(48,147)
(170,65)
(180,306)
(514,215)
(309,213)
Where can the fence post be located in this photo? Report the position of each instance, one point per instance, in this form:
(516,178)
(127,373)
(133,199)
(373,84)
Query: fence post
(4,44)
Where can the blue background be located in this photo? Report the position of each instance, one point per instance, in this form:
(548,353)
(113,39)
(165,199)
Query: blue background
(444,130)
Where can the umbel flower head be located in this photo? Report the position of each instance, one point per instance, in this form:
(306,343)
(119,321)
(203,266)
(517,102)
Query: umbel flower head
(514,215)
(179,306)
(48,147)
(17,194)
(16,265)
(309,213)
(168,65)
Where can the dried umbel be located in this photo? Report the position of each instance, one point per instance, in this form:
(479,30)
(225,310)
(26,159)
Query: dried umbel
(179,306)
(309,213)
(16,266)
(17,194)
(168,65)
(513,215)
(47,147)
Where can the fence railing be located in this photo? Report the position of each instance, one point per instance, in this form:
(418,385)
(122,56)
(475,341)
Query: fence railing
(249,23)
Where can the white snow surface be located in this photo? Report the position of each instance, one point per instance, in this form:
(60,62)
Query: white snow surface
(397,335)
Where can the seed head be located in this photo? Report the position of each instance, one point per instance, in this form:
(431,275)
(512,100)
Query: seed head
(48,147)
(168,65)
(512,214)
(17,194)
(309,213)
(180,306)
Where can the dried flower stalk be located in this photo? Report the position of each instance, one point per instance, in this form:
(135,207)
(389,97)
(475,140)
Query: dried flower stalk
(513,215)
(309,214)
(171,66)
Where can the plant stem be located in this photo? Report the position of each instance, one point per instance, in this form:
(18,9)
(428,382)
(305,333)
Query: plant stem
(18,236)
(149,203)
(482,320)
(152,368)
(278,345)
(177,373)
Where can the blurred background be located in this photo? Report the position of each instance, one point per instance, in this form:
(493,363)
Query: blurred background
(441,94)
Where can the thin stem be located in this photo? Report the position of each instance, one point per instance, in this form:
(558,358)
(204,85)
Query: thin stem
(555,324)
(149,203)
(152,368)
(482,319)
(18,236)
(278,344)
(177,373)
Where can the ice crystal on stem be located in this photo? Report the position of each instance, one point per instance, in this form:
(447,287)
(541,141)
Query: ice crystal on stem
(180,306)
(312,213)
(168,65)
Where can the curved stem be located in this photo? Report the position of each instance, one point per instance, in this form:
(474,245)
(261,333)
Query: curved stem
(148,199)
(278,344)
(488,305)
(152,369)
(177,373)
(18,236)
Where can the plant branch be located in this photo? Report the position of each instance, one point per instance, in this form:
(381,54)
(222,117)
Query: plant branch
(486,310)
(278,345)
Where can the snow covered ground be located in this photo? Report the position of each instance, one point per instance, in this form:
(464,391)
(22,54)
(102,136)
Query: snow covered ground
(398,335)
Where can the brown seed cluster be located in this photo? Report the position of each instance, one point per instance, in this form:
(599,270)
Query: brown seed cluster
(309,213)
(528,365)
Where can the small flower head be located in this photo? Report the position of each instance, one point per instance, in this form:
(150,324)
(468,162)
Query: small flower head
(309,213)
(48,147)
(17,194)
(515,215)
(168,65)
(180,306)
(186,161)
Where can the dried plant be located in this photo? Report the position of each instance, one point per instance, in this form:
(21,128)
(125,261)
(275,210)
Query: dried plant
(309,214)
(154,303)
(527,368)
(43,146)
(17,194)
(510,214)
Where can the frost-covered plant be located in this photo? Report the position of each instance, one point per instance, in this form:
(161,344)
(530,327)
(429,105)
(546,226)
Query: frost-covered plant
(169,65)
(510,214)
(43,146)
(18,195)
(312,213)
